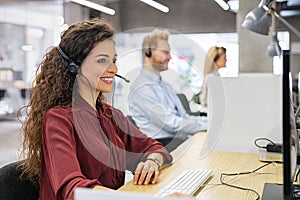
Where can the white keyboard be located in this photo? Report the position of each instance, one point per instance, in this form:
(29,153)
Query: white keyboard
(188,182)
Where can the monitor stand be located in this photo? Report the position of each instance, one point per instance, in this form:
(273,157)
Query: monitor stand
(274,191)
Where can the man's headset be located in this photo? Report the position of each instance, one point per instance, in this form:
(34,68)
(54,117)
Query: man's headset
(74,68)
(148,52)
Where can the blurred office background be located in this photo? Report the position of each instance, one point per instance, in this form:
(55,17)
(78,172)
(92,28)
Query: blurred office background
(29,28)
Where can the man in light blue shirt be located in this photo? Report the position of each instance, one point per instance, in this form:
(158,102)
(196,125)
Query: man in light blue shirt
(153,103)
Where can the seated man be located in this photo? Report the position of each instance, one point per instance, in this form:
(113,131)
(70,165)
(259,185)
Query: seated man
(153,103)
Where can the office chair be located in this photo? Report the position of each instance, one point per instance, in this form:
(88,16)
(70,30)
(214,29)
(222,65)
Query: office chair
(12,187)
(186,105)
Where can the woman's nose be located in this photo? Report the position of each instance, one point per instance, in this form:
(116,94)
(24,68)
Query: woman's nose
(112,68)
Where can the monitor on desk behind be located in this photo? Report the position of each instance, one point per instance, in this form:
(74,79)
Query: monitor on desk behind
(290,141)
(242,109)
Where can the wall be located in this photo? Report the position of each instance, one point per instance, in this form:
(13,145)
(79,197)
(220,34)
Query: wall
(188,17)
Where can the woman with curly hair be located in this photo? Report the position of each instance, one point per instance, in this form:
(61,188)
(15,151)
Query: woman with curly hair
(72,138)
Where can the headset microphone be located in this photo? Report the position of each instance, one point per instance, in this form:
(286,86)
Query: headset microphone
(119,76)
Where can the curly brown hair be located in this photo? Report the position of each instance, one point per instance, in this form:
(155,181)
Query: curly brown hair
(53,85)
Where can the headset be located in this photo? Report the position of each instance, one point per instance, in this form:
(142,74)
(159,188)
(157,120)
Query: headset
(73,67)
(219,53)
(148,52)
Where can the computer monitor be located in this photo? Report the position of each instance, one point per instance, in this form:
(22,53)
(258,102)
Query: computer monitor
(290,140)
(290,135)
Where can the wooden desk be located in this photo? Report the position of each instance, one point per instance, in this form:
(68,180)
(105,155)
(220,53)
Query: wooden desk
(187,156)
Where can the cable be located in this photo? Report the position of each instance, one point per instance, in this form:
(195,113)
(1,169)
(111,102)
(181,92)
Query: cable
(263,147)
(243,173)
(270,147)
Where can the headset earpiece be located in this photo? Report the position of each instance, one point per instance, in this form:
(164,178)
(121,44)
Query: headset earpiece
(73,67)
(148,52)
(216,57)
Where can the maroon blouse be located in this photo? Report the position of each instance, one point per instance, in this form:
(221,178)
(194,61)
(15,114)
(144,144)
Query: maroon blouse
(85,148)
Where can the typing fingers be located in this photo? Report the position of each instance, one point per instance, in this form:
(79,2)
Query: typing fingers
(145,173)
(152,174)
(137,173)
(155,175)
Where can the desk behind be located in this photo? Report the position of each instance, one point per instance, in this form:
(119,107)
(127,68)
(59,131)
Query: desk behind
(187,156)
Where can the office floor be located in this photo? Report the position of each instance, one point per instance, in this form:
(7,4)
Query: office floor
(10,141)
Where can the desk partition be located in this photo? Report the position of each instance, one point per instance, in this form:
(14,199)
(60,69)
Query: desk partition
(242,109)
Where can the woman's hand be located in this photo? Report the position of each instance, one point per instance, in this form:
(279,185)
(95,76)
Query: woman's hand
(146,172)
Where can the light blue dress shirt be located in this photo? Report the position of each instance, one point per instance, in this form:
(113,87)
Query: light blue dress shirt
(157,111)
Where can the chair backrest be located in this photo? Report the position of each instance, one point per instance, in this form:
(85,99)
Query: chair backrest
(186,105)
(13,187)
(184,101)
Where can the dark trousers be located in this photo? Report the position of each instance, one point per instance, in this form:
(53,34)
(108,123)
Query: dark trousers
(171,143)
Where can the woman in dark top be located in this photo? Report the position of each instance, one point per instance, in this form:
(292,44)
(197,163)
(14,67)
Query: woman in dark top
(72,138)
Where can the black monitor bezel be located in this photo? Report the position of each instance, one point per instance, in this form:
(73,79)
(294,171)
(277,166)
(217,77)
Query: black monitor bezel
(286,127)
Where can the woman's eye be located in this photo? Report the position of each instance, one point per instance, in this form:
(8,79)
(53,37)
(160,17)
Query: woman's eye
(102,61)
(114,60)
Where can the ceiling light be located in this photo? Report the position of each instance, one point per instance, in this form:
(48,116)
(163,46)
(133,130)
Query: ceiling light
(156,5)
(27,47)
(223,4)
(289,13)
(233,5)
(293,3)
(95,6)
